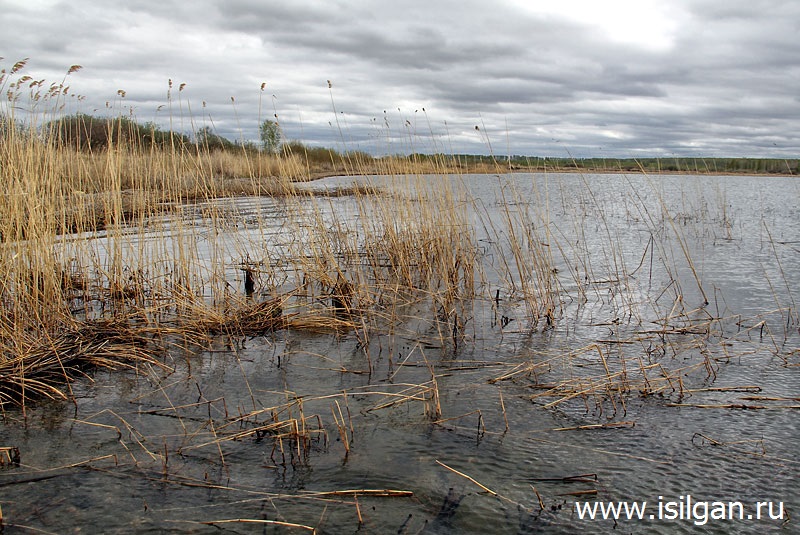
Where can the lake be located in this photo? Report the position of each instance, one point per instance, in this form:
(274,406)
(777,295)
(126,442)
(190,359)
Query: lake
(596,338)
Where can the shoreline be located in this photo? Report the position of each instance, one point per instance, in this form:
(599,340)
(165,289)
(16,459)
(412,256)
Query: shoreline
(344,172)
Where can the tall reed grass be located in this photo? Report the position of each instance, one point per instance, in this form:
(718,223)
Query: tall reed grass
(135,238)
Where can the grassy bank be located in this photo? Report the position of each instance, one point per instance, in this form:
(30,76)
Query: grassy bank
(676,165)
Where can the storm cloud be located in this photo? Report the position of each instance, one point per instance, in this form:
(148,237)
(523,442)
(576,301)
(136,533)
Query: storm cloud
(611,79)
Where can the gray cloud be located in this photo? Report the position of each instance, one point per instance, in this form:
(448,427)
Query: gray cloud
(716,79)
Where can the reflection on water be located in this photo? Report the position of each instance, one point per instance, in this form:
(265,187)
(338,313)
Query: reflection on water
(670,369)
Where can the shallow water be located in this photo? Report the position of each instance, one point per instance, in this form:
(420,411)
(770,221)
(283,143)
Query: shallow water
(141,451)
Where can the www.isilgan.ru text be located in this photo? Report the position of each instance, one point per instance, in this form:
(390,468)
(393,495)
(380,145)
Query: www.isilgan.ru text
(686,508)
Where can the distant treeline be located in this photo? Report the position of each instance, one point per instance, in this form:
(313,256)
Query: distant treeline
(85,132)
(684,165)
(89,133)
(649,165)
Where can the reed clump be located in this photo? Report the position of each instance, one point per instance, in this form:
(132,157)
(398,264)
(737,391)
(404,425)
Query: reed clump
(32,366)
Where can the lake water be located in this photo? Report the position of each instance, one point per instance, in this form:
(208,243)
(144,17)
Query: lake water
(667,366)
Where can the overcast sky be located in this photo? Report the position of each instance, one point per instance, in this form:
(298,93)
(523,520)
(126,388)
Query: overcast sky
(611,78)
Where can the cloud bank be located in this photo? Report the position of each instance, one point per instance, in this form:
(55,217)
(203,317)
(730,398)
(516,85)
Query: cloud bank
(635,78)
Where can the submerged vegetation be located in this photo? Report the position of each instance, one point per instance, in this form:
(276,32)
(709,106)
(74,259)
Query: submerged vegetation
(128,247)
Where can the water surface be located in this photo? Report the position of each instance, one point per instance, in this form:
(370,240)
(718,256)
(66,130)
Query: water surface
(683,281)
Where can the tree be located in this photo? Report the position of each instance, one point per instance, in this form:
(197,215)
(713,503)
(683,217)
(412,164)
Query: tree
(209,140)
(270,136)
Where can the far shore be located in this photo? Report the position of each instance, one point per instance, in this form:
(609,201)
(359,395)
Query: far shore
(486,170)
